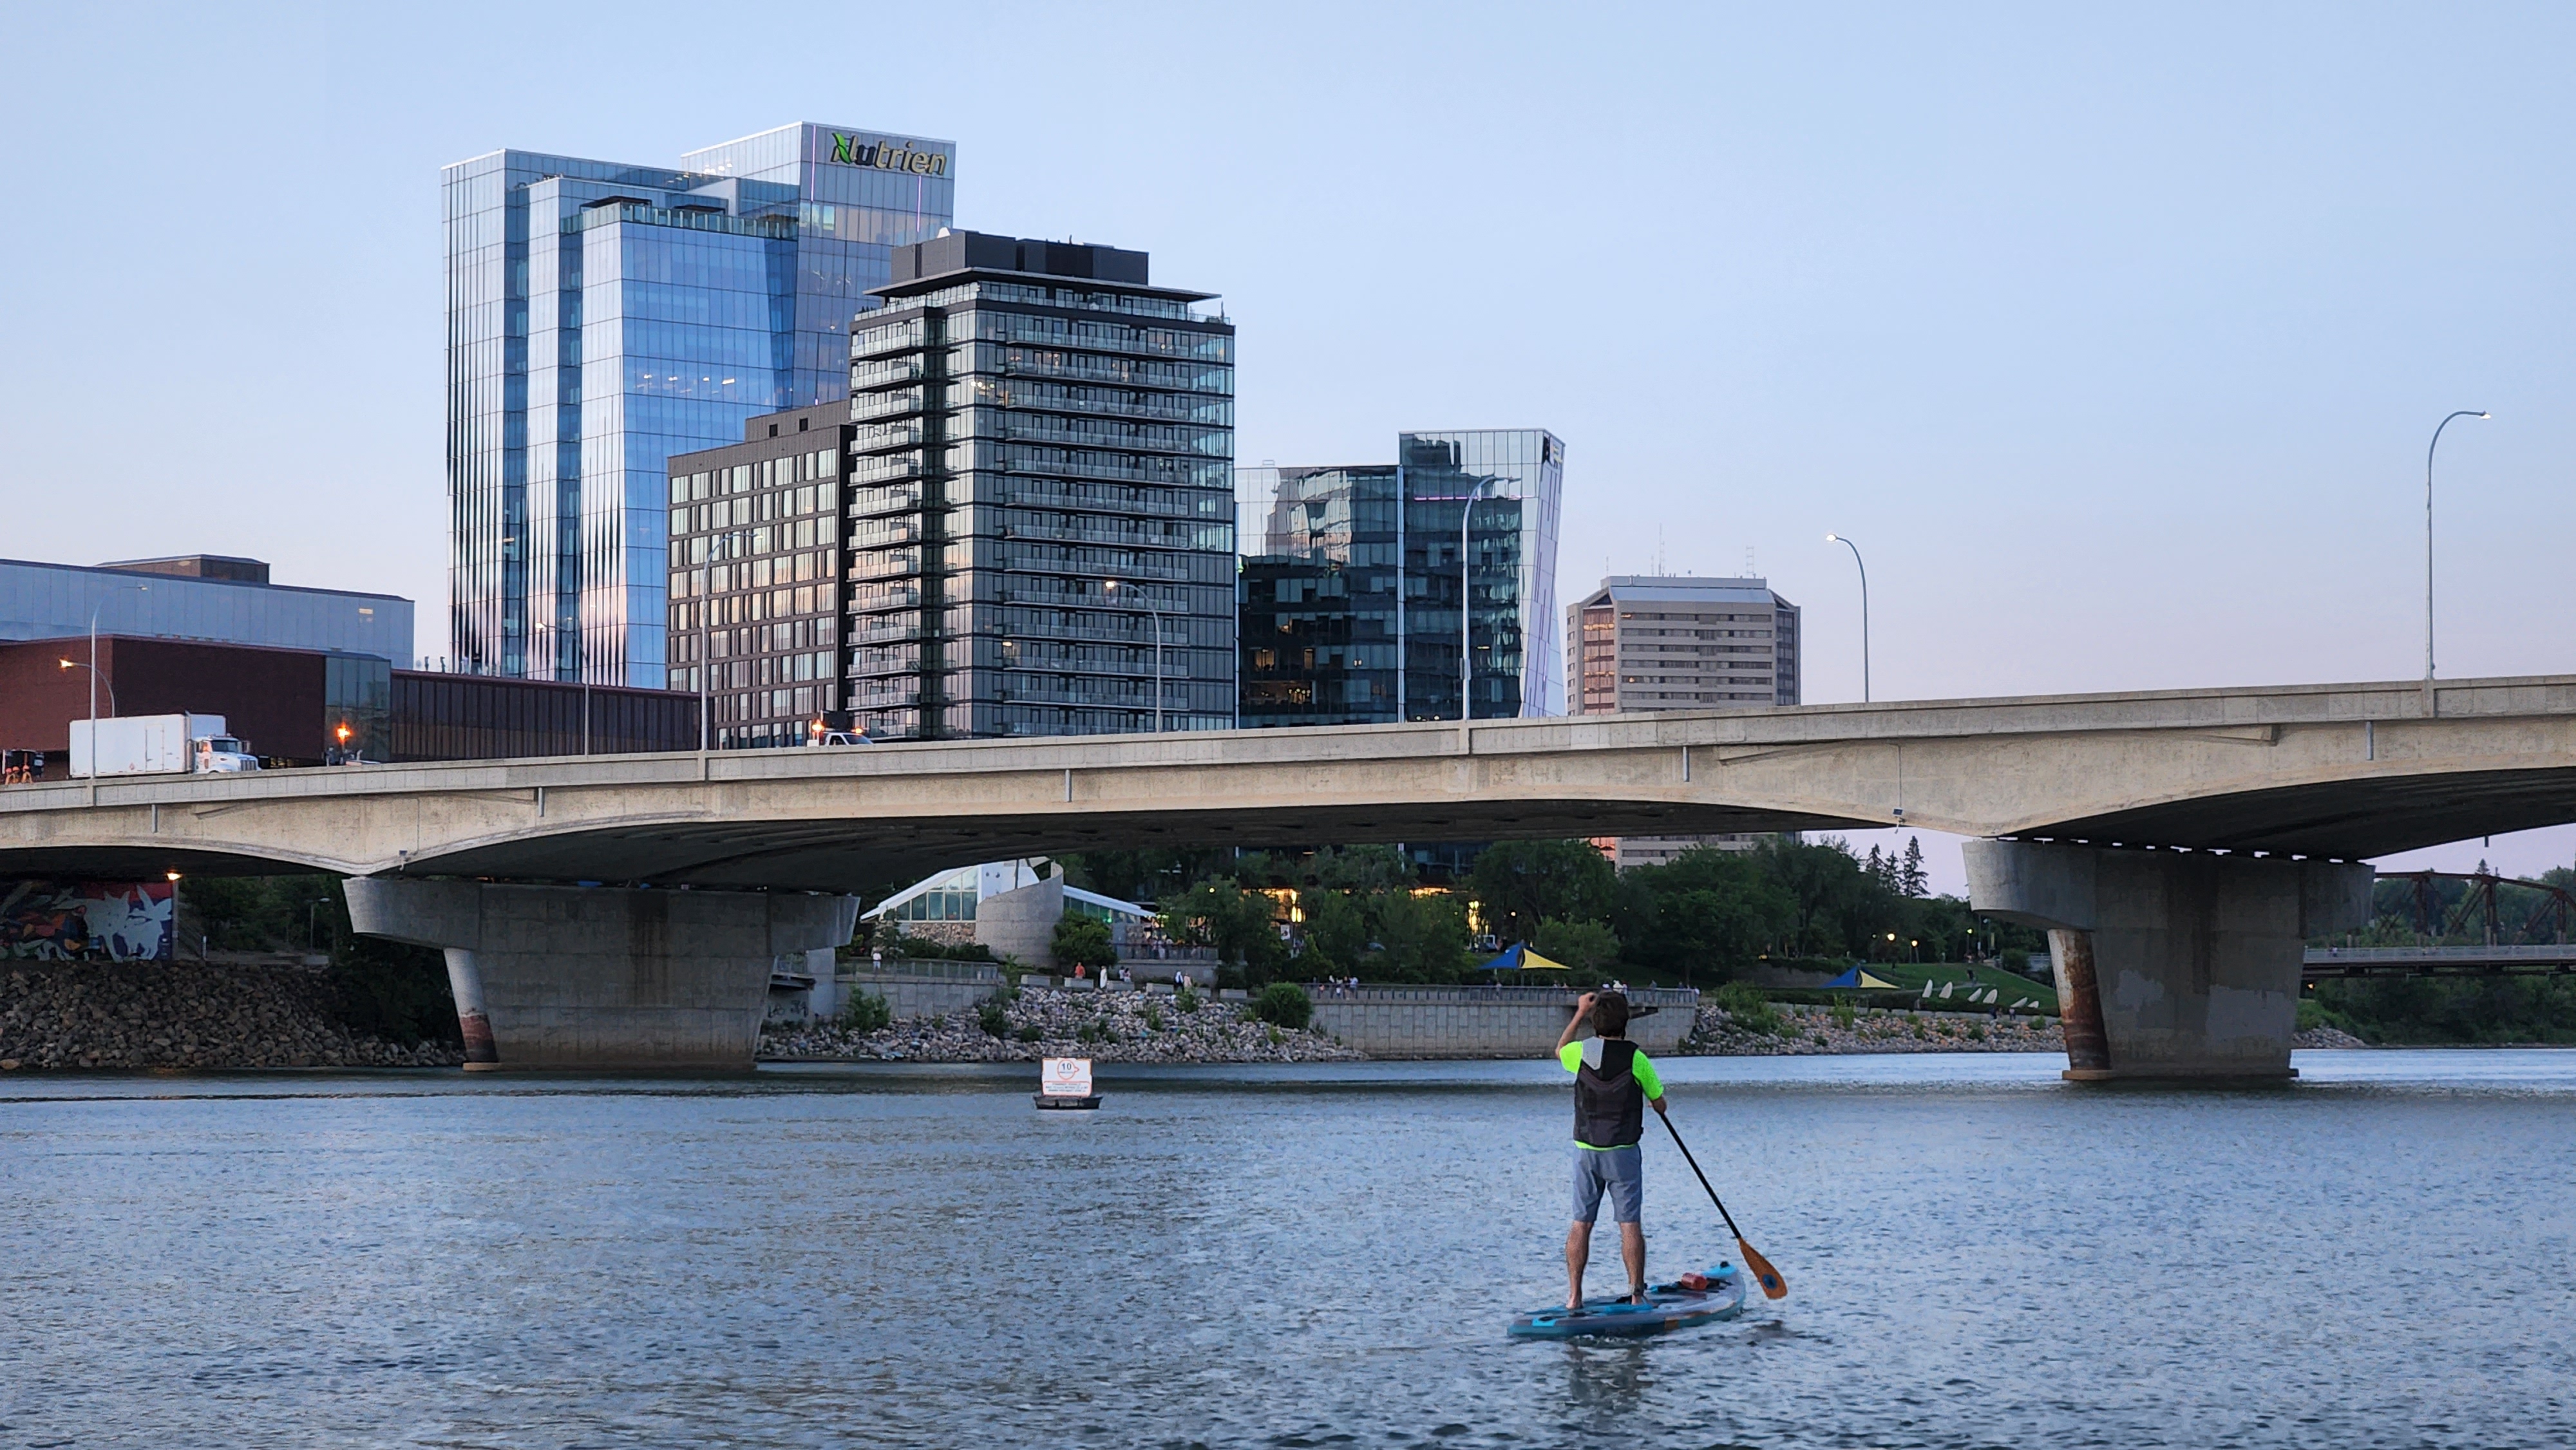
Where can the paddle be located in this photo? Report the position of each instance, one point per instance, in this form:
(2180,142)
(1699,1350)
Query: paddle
(1773,1286)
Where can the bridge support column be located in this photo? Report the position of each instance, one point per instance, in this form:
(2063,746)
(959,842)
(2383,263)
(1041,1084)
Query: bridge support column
(2170,964)
(604,978)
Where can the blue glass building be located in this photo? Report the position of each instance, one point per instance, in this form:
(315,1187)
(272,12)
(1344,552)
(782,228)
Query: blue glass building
(602,317)
(1352,593)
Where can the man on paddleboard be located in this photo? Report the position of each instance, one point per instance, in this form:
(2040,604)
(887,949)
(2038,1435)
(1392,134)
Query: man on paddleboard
(1613,1082)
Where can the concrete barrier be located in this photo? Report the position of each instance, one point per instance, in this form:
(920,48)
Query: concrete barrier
(1427,1022)
(924,988)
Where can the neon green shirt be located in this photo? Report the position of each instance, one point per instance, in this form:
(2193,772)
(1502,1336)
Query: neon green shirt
(1572,1056)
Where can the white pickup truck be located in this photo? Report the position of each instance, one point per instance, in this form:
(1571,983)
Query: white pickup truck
(158,745)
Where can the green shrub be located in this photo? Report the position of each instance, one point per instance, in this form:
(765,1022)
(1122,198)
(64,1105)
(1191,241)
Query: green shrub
(1920,1032)
(1284,1004)
(1186,1000)
(997,1022)
(1843,1015)
(866,1012)
(1032,1033)
(1748,1009)
(1976,1032)
(1083,941)
(1153,1020)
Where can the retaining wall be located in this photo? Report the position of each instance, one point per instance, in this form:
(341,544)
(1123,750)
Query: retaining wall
(1486,1021)
(924,988)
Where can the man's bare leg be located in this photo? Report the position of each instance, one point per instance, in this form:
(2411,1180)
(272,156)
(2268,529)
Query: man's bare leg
(1578,1253)
(1632,1252)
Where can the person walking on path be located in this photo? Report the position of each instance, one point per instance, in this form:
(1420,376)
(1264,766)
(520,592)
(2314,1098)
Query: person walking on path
(1613,1082)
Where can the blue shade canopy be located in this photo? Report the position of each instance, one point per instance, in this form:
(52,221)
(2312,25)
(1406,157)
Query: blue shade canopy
(1519,958)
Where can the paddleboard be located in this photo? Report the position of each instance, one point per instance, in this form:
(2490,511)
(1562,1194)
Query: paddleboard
(1667,1307)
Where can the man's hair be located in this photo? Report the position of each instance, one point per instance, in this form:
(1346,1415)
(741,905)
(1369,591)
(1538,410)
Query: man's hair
(1610,1014)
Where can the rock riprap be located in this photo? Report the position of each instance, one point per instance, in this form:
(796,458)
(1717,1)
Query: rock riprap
(1796,1030)
(1042,1022)
(159,1014)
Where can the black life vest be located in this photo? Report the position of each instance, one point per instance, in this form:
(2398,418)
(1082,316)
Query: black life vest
(1609,1106)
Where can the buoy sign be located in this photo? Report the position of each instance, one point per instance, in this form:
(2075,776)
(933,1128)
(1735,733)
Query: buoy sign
(1065,1077)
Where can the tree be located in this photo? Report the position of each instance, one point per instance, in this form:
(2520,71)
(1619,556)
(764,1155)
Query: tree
(1083,941)
(1237,923)
(1337,929)
(1587,946)
(1520,884)
(1709,911)
(1911,878)
(1423,938)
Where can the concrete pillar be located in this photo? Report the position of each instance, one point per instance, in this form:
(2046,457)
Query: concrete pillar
(605,978)
(2170,964)
(823,964)
(465,984)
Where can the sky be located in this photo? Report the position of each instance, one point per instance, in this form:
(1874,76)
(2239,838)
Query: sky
(2113,335)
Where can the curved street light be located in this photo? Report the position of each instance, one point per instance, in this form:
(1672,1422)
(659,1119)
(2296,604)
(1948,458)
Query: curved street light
(1111,588)
(96,679)
(1864,611)
(2428,545)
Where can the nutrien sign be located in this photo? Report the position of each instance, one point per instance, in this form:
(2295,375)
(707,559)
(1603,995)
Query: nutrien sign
(887,156)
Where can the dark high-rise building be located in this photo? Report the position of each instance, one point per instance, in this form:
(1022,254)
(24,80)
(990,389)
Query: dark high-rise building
(1356,578)
(1040,504)
(756,580)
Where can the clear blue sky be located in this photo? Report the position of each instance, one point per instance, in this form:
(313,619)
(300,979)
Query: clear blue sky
(2114,338)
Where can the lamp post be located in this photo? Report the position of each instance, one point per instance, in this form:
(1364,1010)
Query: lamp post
(716,544)
(1864,610)
(1466,652)
(95,680)
(1112,588)
(2428,546)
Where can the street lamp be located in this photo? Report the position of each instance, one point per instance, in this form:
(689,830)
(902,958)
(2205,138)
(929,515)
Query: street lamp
(1864,611)
(2428,545)
(1111,588)
(96,680)
(1466,653)
(580,668)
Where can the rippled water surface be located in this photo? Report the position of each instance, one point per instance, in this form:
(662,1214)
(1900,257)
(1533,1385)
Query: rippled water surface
(2380,1254)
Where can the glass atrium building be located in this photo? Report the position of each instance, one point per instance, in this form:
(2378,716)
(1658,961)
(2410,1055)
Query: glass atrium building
(1352,594)
(1040,502)
(602,317)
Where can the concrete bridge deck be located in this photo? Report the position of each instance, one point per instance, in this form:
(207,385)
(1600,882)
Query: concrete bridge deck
(2339,771)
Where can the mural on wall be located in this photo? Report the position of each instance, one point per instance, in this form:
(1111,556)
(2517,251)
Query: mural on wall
(87,921)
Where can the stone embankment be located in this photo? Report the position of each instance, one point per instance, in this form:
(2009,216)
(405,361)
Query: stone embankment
(158,1014)
(1800,1030)
(1038,1022)
(1813,1030)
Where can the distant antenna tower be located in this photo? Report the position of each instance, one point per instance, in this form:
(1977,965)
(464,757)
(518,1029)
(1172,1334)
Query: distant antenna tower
(1750,572)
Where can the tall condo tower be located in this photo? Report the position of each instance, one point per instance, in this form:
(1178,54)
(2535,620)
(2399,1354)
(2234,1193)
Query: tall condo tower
(1040,506)
(602,317)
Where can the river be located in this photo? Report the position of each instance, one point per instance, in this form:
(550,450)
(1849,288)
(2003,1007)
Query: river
(2377,1255)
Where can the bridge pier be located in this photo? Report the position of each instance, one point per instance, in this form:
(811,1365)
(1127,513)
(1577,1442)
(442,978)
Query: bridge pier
(603,978)
(2170,964)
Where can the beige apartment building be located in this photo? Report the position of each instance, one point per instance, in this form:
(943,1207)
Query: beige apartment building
(1679,643)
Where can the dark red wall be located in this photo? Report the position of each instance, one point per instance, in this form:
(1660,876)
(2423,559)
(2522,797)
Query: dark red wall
(270,697)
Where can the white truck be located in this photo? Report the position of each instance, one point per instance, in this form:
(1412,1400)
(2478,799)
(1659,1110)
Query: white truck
(158,745)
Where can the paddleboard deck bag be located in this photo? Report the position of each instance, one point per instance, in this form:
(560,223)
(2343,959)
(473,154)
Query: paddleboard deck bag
(1609,1106)
(1719,1297)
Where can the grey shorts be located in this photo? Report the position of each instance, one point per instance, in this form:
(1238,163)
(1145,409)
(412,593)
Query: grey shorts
(1620,1170)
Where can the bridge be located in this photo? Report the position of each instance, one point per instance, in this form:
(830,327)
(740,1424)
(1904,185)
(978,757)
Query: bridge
(2182,844)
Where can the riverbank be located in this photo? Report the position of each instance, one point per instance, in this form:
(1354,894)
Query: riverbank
(165,1014)
(1041,1022)
(1796,1031)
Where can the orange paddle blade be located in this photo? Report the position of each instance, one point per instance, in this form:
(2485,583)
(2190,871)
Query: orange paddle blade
(1773,1286)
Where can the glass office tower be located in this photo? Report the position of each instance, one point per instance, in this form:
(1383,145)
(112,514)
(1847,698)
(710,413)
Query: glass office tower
(602,317)
(1041,514)
(1351,603)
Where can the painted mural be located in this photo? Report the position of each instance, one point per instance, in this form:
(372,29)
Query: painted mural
(87,921)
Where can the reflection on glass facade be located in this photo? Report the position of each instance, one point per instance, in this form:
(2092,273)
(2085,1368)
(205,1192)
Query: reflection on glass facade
(1041,517)
(1352,598)
(602,317)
